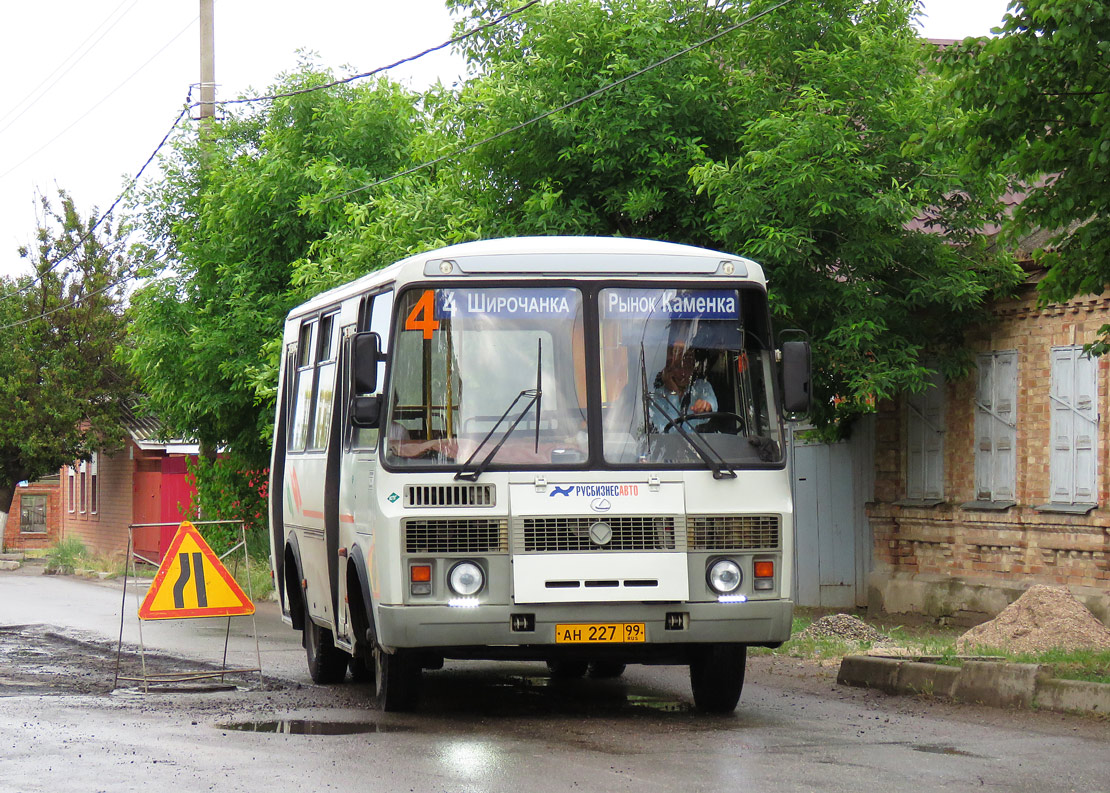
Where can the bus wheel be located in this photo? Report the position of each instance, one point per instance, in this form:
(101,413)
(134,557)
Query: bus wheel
(326,663)
(567,669)
(717,677)
(397,680)
(606,670)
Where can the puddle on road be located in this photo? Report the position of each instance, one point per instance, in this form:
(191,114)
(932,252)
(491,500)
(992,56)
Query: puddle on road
(310,727)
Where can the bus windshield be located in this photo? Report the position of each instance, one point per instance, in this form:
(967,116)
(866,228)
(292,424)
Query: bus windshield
(497,376)
(687,377)
(467,363)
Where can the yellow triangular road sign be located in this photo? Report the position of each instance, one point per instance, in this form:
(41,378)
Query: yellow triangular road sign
(193,582)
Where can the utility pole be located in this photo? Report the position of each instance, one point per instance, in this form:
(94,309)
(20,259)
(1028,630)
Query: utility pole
(207,60)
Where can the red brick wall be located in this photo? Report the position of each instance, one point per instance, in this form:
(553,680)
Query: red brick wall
(1019,546)
(15,539)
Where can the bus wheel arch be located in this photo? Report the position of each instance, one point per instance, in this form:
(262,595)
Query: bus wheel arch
(363,635)
(294,593)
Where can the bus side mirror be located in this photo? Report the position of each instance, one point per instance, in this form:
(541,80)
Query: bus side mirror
(366,411)
(366,354)
(796,385)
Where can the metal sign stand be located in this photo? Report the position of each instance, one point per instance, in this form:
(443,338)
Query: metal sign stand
(182,677)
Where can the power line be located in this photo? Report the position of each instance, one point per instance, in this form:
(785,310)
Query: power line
(75,302)
(536,119)
(451,155)
(134,180)
(100,103)
(190,105)
(395,64)
(62,65)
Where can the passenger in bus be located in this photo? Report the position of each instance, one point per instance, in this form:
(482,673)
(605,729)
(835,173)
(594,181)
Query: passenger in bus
(401,444)
(681,389)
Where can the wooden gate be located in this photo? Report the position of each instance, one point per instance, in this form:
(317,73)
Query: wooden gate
(832,547)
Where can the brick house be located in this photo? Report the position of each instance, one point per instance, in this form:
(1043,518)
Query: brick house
(35,518)
(986,486)
(145,482)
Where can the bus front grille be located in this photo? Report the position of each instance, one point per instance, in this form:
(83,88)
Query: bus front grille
(733,532)
(456,535)
(449,496)
(567,534)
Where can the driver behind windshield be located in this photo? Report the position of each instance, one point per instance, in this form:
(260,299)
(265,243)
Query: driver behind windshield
(681,389)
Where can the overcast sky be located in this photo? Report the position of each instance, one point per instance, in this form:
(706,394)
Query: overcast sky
(93,86)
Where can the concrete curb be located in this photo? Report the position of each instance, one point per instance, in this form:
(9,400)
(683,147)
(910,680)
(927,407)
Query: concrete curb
(993,683)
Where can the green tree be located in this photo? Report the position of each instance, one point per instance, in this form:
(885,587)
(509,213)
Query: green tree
(236,217)
(61,390)
(1038,100)
(812,140)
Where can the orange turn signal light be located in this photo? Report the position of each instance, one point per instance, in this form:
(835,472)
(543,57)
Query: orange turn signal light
(765,569)
(420,573)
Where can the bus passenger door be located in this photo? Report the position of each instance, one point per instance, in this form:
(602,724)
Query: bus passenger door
(361,459)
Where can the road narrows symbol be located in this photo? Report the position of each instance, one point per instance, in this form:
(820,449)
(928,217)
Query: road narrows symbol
(182,580)
(193,582)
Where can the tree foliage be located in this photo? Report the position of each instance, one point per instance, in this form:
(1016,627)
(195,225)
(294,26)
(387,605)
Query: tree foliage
(1038,101)
(815,140)
(62,390)
(229,219)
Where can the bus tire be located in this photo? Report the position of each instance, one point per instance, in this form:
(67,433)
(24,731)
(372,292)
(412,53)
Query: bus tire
(327,664)
(397,680)
(717,676)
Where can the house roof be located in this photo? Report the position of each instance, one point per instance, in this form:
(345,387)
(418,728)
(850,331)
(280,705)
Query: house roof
(147,433)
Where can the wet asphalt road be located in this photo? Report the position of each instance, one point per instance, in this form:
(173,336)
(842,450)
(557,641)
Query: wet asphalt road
(481,726)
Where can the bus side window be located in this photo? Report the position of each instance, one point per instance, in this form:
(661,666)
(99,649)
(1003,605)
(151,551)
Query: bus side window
(375,315)
(301,380)
(325,380)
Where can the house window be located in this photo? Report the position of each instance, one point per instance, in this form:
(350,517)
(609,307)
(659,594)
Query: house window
(32,514)
(83,474)
(94,465)
(925,443)
(71,502)
(1073,400)
(996,428)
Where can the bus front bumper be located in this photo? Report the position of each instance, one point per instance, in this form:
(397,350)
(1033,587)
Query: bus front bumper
(487,630)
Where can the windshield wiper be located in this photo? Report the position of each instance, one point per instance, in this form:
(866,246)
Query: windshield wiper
(533,395)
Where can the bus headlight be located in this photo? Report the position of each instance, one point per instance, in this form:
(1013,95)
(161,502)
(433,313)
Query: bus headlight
(466,579)
(724,576)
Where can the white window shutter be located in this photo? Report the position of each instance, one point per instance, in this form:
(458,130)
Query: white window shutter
(925,442)
(1005,400)
(1073,399)
(984,440)
(996,427)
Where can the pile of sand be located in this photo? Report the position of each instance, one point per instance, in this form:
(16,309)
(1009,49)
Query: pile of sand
(1044,618)
(842,626)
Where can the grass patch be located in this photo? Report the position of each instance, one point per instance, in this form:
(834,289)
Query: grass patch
(66,556)
(938,642)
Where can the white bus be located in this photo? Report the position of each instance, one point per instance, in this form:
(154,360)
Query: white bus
(558,449)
